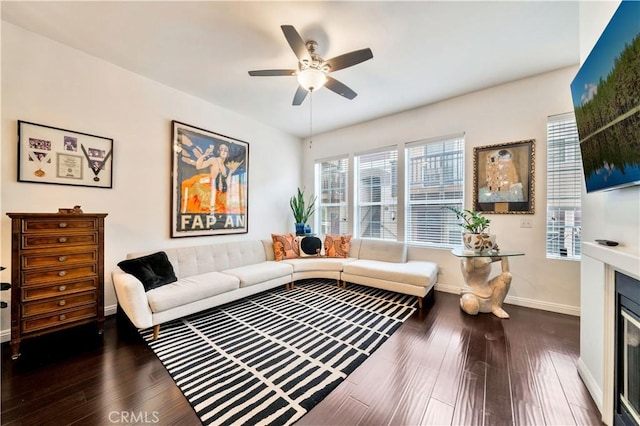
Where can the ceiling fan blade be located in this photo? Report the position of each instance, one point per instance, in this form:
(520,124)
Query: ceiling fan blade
(298,98)
(349,59)
(297,44)
(272,73)
(340,88)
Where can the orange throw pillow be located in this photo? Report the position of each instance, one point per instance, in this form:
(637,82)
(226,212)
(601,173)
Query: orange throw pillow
(285,246)
(337,245)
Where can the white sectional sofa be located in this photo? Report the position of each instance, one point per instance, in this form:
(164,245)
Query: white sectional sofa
(214,274)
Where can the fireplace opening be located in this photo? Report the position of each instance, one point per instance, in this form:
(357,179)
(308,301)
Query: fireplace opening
(627,351)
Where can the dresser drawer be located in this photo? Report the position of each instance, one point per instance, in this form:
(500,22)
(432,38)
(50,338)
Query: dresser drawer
(44,291)
(56,304)
(61,318)
(40,260)
(32,225)
(36,241)
(58,275)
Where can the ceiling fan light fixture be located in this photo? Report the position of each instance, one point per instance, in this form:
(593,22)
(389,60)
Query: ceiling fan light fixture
(312,79)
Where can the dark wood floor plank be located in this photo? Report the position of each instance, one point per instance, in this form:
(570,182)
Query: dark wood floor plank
(452,368)
(570,380)
(553,401)
(413,403)
(350,413)
(334,402)
(437,414)
(586,416)
(431,368)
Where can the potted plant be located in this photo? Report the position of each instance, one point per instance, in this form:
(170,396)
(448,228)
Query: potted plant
(475,225)
(302,210)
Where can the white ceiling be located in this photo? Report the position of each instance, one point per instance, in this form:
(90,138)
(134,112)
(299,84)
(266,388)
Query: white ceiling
(424,51)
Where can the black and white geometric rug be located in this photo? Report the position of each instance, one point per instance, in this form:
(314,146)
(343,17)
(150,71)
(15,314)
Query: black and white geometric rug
(270,358)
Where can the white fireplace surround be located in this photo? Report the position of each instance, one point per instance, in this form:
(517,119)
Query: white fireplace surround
(604,261)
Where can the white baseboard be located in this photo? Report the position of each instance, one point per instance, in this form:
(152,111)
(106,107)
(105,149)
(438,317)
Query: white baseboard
(110,310)
(5,335)
(590,383)
(521,301)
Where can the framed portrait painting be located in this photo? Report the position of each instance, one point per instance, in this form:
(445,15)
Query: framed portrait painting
(209,183)
(63,157)
(504,178)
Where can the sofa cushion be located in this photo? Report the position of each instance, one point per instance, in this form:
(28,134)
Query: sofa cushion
(318,263)
(384,251)
(255,274)
(153,270)
(190,289)
(415,272)
(285,246)
(337,245)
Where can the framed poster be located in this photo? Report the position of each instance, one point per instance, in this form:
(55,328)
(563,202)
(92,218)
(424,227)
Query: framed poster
(63,157)
(504,178)
(209,183)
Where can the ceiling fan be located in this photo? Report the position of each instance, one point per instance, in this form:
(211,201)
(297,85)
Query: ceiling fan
(313,71)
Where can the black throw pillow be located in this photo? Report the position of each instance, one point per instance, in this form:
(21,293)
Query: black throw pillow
(153,270)
(310,246)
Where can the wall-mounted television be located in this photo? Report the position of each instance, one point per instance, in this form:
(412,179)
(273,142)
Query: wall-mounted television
(606,100)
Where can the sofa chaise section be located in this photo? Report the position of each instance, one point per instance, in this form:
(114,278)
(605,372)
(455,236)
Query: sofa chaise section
(384,265)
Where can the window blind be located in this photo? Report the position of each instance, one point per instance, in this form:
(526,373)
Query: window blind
(435,179)
(564,185)
(332,186)
(377,186)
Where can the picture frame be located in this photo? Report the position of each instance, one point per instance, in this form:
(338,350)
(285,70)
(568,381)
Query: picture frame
(504,178)
(209,183)
(58,156)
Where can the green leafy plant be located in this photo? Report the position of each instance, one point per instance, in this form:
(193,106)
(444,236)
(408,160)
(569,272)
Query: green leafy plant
(473,222)
(302,210)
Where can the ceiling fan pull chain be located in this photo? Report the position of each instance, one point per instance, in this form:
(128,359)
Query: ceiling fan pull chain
(310,118)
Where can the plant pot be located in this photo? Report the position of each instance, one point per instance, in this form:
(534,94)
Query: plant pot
(478,242)
(300,228)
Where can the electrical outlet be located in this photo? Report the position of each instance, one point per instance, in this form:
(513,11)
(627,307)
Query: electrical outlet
(526,223)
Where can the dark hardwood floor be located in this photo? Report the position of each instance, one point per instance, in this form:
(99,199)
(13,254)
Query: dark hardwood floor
(442,367)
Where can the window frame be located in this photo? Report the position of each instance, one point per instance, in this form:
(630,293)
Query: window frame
(448,224)
(564,186)
(387,208)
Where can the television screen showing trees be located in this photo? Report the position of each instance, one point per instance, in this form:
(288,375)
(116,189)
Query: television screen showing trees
(606,99)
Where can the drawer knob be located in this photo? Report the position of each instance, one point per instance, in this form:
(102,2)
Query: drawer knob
(62,303)
(62,258)
(62,317)
(62,288)
(62,273)
(62,224)
(62,239)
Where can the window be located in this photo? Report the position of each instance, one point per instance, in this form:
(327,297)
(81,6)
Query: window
(332,187)
(435,178)
(376,198)
(564,184)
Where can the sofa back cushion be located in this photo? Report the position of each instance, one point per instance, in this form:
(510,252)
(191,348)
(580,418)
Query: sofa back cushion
(195,260)
(385,251)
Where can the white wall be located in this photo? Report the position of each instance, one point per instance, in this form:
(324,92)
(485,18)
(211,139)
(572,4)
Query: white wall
(613,215)
(505,113)
(49,83)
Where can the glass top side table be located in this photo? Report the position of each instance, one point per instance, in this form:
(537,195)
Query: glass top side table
(480,293)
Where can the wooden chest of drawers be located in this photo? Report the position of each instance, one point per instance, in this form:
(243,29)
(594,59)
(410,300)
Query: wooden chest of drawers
(57,273)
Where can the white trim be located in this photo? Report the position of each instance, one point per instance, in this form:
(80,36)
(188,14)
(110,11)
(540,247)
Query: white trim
(110,310)
(591,384)
(521,301)
(609,342)
(5,335)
